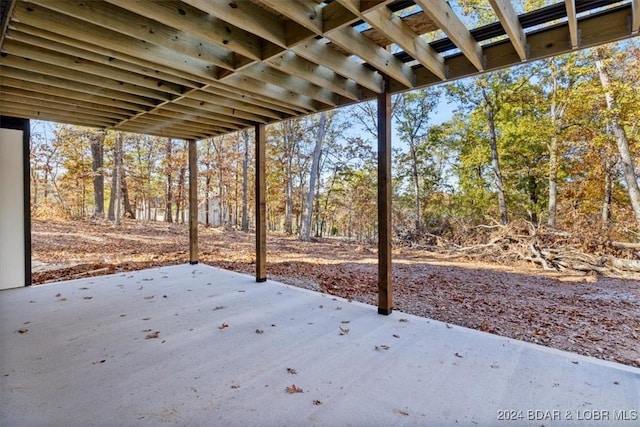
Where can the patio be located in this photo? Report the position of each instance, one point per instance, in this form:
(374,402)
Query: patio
(196,345)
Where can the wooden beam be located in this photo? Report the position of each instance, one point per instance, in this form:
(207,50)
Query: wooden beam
(392,26)
(193,202)
(271,91)
(254,97)
(445,18)
(572,20)
(232,103)
(267,74)
(20,73)
(148,30)
(98,82)
(385,295)
(320,75)
(67,26)
(191,20)
(635,19)
(309,14)
(27,111)
(509,20)
(353,41)
(79,49)
(40,99)
(89,67)
(48,90)
(261,204)
(319,52)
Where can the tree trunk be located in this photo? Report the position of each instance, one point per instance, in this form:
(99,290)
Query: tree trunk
(313,176)
(169,196)
(416,186)
(288,203)
(628,167)
(607,196)
(118,169)
(495,165)
(97,164)
(180,196)
(128,209)
(553,182)
(245,182)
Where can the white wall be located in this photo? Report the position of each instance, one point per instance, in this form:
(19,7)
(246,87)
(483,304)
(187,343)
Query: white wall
(12,250)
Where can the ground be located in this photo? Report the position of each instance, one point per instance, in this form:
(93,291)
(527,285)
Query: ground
(587,314)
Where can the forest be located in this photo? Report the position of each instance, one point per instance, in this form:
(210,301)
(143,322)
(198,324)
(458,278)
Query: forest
(551,143)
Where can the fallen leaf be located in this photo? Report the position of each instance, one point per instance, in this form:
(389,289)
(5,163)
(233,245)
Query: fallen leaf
(22,331)
(346,321)
(259,331)
(220,307)
(343,331)
(317,402)
(293,389)
(575,362)
(458,355)
(401,412)
(292,371)
(382,347)
(404,320)
(87,297)
(396,336)
(224,325)
(235,386)
(152,335)
(149,297)
(99,361)
(146,318)
(58,295)
(62,299)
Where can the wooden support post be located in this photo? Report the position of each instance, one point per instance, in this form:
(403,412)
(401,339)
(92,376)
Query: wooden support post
(261,206)
(385,295)
(193,202)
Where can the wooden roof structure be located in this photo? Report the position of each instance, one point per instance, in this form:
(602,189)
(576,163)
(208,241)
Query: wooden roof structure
(192,69)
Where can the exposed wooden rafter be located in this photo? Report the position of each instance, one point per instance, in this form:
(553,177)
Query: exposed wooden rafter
(442,14)
(509,20)
(572,20)
(197,68)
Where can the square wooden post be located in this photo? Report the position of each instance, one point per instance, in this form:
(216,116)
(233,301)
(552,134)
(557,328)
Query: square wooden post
(193,202)
(385,295)
(261,206)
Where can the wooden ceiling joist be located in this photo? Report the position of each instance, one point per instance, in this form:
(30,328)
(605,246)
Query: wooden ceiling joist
(190,69)
(509,20)
(572,20)
(386,22)
(445,18)
(76,48)
(37,16)
(42,89)
(38,98)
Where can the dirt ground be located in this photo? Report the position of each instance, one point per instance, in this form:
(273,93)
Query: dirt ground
(591,315)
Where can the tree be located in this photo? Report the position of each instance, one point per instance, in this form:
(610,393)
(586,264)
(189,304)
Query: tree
(245,182)
(305,233)
(96,142)
(168,170)
(626,161)
(412,116)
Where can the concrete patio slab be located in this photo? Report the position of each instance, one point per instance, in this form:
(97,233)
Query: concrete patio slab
(199,346)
